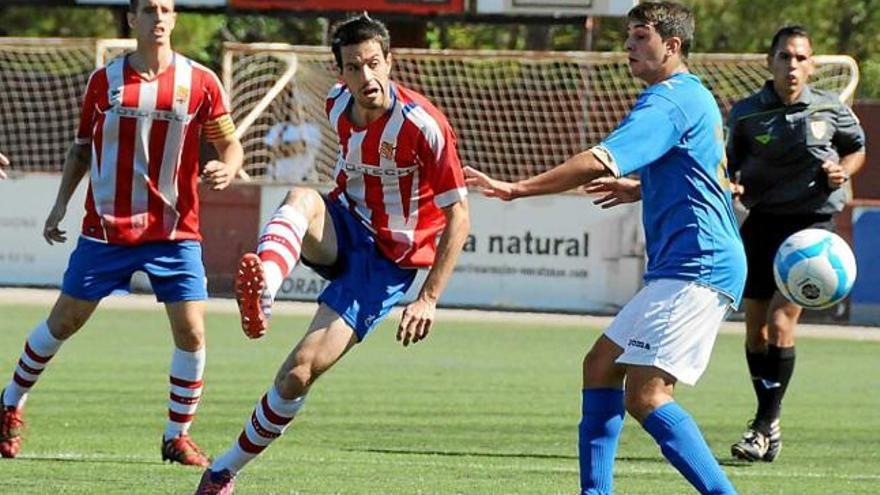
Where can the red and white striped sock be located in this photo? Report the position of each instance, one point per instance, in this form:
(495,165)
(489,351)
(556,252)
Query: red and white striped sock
(268,421)
(280,246)
(185,392)
(39,348)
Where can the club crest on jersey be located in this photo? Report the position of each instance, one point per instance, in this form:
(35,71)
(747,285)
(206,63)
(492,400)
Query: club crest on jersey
(386,150)
(181,93)
(818,128)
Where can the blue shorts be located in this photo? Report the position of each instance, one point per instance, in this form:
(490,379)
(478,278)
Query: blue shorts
(364,284)
(175,270)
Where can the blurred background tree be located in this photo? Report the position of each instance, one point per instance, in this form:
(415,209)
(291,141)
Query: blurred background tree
(745,26)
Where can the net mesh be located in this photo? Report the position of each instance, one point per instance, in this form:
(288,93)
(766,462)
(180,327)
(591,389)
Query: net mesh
(515,113)
(41,86)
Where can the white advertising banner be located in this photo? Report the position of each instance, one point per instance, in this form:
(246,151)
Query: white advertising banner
(25,257)
(558,253)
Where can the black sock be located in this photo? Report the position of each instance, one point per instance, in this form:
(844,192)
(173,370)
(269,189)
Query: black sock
(756,361)
(779,367)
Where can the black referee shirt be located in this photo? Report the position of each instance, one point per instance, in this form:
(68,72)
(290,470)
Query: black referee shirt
(778,150)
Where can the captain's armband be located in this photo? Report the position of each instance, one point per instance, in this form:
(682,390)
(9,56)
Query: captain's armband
(220,128)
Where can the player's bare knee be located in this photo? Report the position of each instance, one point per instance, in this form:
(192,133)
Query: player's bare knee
(302,198)
(297,380)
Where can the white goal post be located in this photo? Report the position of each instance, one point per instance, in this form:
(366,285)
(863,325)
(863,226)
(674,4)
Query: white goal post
(515,113)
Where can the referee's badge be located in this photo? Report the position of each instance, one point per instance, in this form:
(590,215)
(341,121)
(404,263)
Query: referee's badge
(818,128)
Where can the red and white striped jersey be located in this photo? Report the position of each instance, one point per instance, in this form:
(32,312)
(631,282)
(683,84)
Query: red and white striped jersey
(397,173)
(144,136)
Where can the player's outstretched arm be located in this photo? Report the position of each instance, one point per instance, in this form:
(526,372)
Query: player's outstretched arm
(418,316)
(614,191)
(4,162)
(574,172)
(219,173)
(75,167)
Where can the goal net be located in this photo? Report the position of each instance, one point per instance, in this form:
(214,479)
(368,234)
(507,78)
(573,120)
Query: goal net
(41,85)
(515,113)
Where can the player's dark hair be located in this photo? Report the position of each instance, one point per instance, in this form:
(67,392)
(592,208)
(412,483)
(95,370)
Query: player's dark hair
(132,6)
(786,32)
(355,31)
(670,19)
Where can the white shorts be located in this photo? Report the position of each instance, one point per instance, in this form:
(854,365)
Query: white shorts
(670,324)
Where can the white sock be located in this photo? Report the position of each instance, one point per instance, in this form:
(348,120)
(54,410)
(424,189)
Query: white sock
(280,246)
(39,348)
(267,422)
(185,391)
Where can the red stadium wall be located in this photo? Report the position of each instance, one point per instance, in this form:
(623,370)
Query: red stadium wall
(230,223)
(866,185)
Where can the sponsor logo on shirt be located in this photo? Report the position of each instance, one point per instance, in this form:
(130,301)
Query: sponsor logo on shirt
(379,171)
(150,114)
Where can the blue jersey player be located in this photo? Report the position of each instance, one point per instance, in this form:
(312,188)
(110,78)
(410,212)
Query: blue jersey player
(696,265)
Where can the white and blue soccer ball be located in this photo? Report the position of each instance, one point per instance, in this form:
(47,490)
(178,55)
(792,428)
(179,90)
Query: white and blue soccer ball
(814,268)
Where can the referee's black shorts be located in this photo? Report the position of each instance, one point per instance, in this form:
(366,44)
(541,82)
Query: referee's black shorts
(762,234)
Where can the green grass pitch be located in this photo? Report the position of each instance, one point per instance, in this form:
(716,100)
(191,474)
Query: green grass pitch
(488,408)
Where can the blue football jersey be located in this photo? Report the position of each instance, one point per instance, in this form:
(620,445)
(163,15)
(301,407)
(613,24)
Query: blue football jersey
(673,138)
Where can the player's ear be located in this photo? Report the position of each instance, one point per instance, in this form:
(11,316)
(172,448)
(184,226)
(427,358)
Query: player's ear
(130,17)
(388,61)
(673,45)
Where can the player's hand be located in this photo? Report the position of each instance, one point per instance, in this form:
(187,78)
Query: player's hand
(614,191)
(737,189)
(837,175)
(490,187)
(217,175)
(51,232)
(416,322)
(3,162)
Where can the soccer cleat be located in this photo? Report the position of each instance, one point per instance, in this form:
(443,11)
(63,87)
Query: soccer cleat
(774,444)
(753,446)
(183,450)
(216,483)
(253,304)
(11,426)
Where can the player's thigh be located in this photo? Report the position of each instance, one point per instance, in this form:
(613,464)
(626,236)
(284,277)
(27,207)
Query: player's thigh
(328,338)
(187,320)
(68,315)
(600,367)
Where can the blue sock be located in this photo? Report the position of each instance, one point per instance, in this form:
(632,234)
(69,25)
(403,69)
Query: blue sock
(599,430)
(685,448)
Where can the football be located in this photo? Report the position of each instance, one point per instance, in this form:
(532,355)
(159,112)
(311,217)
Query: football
(814,268)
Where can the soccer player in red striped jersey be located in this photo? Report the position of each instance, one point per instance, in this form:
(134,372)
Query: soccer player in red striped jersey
(399,205)
(138,140)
